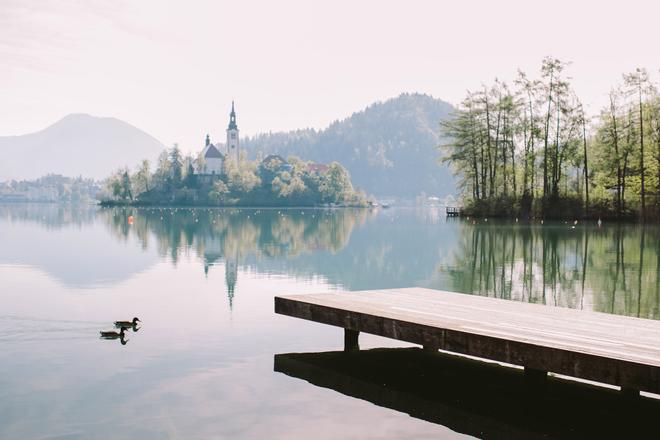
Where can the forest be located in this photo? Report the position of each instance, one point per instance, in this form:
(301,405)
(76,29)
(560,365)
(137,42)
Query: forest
(389,147)
(529,149)
(285,182)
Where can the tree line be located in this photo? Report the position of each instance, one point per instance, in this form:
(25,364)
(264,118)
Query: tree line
(530,148)
(175,181)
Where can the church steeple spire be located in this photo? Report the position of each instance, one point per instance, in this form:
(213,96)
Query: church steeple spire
(232,118)
(233,152)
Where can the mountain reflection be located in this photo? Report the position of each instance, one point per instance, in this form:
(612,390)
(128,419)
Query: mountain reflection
(68,243)
(611,269)
(51,215)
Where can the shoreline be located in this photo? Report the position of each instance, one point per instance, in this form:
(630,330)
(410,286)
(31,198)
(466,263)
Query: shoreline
(113,204)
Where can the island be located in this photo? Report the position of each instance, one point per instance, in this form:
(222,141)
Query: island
(221,175)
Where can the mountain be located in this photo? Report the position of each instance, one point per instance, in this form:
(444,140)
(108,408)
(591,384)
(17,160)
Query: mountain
(77,145)
(389,148)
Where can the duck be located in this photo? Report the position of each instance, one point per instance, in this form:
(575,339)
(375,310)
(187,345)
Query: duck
(111,334)
(127,324)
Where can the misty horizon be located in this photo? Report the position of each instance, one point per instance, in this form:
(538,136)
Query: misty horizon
(195,146)
(173,70)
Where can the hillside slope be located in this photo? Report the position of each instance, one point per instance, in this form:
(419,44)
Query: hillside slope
(76,145)
(389,148)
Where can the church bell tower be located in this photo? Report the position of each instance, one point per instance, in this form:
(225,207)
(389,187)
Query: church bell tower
(233,152)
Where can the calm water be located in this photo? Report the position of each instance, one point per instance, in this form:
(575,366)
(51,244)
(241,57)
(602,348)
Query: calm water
(202,281)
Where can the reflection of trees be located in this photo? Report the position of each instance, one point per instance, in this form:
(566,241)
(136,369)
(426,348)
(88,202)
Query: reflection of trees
(611,269)
(230,235)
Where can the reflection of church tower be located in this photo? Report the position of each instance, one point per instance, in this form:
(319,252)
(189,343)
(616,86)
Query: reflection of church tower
(231,276)
(232,137)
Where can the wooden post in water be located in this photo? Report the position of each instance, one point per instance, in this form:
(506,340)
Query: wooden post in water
(535,376)
(629,393)
(351,340)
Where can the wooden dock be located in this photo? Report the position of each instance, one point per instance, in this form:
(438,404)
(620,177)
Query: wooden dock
(605,348)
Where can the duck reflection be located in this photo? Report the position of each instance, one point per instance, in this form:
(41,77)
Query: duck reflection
(472,397)
(112,335)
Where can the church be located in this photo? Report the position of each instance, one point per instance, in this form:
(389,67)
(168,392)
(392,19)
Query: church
(213,156)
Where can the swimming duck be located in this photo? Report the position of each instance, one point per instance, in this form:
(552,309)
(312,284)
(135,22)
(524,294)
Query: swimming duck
(127,324)
(113,334)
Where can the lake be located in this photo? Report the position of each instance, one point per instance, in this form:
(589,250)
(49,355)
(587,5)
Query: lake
(210,358)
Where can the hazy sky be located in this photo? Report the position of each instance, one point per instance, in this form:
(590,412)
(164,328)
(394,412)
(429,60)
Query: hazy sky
(172,68)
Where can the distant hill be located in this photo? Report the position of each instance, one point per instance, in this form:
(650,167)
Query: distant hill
(77,145)
(389,148)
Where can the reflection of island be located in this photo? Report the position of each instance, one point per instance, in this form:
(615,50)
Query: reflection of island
(473,397)
(614,269)
(230,237)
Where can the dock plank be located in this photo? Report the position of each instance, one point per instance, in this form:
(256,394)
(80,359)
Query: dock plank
(608,348)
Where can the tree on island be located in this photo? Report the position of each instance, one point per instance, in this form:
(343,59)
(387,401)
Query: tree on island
(291,182)
(120,186)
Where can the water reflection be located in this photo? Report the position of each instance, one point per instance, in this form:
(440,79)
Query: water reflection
(70,244)
(473,397)
(111,335)
(49,215)
(217,233)
(610,269)
(613,268)
(67,272)
(231,237)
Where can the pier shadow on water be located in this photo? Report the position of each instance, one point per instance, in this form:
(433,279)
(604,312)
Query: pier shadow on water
(476,398)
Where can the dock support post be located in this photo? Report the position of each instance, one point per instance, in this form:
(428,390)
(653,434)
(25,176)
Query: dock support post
(351,340)
(535,375)
(629,393)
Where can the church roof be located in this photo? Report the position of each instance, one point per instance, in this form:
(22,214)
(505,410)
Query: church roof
(272,157)
(213,152)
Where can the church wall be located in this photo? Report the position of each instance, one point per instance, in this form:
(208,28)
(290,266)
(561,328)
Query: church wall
(213,165)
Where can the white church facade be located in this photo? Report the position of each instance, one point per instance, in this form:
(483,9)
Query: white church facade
(214,156)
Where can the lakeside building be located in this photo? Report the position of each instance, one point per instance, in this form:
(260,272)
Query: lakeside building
(276,162)
(213,160)
(212,156)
